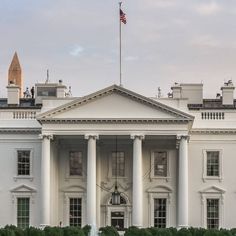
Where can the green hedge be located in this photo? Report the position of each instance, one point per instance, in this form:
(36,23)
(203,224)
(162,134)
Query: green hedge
(11,230)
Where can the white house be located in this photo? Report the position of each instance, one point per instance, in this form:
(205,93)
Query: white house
(171,159)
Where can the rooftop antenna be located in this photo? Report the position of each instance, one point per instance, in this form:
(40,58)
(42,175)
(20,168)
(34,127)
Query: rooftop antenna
(47,80)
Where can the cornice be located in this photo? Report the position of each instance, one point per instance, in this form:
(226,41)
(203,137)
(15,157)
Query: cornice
(213,131)
(20,130)
(112,121)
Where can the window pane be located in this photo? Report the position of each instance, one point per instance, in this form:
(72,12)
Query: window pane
(213,163)
(76,163)
(23,162)
(160,164)
(23,212)
(117,220)
(212,213)
(75,212)
(160,212)
(118,164)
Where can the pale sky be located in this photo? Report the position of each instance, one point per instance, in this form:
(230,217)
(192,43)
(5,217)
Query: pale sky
(164,41)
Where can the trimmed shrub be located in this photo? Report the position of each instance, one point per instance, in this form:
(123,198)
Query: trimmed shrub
(86,230)
(73,231)
(108,231)
(184,232)
(32,231)
(211,232)
(132,231)
(17,231)
(144,232)
(53,231)
(7,232)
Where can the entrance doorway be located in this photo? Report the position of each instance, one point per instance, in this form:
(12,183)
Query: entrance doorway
(117,219)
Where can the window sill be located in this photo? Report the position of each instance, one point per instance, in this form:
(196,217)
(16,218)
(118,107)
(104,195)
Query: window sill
(18,177)
(167,178)
(71,177)
(206,178)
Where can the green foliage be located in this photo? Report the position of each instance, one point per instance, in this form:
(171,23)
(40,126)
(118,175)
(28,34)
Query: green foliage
(86,230)
(17,231)
(233,231)
(108,231)
(73,231)
(32,231)
(132,231)
(53,231)
(197,231)
(7,232)
(211,232)
(184,232)
(160,232)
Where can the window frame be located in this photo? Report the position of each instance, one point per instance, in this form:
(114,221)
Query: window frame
(70,198)
(212,192)
(218,201)
(17,211)
(30,176)
(206,177)
(109,173)
(66,215)
(23,191)
(154,199)
(67,169)
(152,165)
(160,191)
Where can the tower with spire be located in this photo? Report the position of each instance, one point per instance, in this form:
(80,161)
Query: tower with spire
(15,73)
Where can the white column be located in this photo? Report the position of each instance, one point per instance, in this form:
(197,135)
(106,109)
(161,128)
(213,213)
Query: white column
(137,210)
(183,183)
(45,180)
(91,183)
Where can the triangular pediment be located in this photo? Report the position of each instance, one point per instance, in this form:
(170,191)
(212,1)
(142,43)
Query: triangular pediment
(213,190)
(116,103)
(23,189)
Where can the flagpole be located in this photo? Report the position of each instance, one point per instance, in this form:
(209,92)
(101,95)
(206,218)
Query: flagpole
(120,44)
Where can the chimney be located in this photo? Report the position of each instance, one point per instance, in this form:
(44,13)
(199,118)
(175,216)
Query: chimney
(13,94)
(15,74)
(228,93)
(61,90)
(176,91)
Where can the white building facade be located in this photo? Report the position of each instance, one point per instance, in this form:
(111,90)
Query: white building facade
(172,159)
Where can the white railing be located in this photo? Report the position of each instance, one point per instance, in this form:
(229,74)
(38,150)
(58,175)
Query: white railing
(24,114)
(213,115)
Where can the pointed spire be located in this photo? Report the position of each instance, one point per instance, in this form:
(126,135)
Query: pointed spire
(15,73)
(15,63)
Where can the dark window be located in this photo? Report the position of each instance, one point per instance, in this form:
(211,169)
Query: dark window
(23,212)
(76,163)
(117,220)
(160,212)
(46,91)
(213,163)
(160,164)
(212,213)
(75,212)
(118,164)
(23,162)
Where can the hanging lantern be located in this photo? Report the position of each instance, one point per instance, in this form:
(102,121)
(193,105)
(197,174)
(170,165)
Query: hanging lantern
(115,196)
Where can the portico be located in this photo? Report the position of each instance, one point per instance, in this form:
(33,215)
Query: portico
(154,129)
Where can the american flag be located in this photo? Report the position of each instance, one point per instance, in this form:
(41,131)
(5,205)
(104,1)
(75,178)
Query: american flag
(122,17)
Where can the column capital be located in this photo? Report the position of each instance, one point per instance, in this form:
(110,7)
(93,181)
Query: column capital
(46,136)
(139,136)
(179,137)
(91,136)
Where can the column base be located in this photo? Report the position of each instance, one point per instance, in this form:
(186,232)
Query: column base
(93,231)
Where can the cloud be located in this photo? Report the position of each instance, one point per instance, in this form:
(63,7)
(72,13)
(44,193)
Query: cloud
(162,3)
(208,8)
(77,51)
(206,41)
(131,58)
